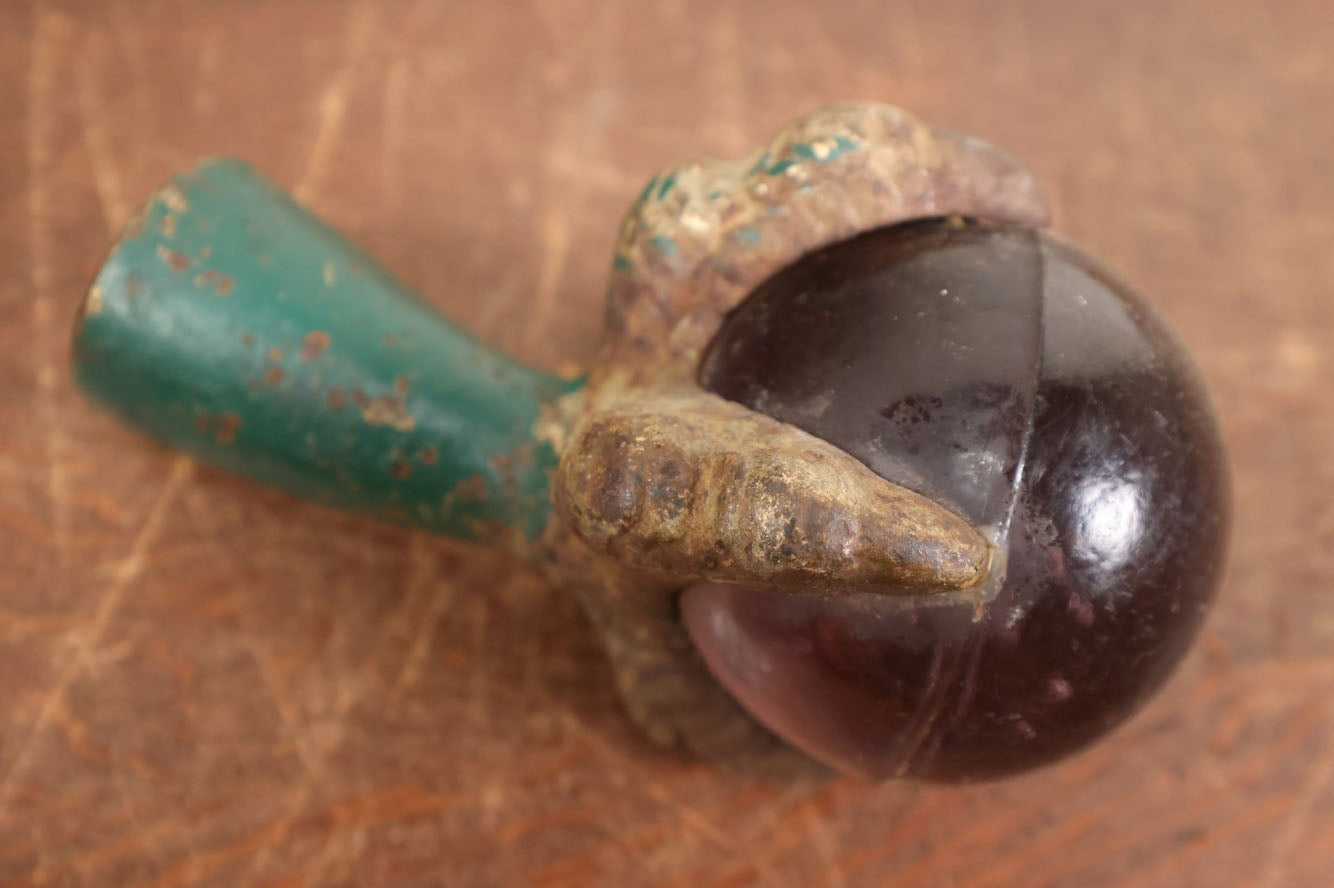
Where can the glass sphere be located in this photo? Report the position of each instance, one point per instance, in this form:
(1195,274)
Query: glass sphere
(1010,378)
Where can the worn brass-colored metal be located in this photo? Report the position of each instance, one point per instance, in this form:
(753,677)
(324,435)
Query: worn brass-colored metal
(655,469)
(691,485)
(227,319)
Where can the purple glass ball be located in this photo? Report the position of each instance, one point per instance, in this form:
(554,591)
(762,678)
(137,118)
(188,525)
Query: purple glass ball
(1013,380)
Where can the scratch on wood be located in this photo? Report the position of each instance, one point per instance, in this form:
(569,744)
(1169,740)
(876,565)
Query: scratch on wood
(568,167)
(1290,832)
(277,834)
(1046,845)
(409,612)
(725,82)
(128,35)
(1169,869)
(689,817)
(84,641)
(333,101)
(16,628)
(145,838)
(391,140)
(1246,772)
(826,849)
(51,45)
(359,813)
(438,597)
(338,845)
(159,833)
(479,710)
(210,56)
(190,870)
(311,763)
(92,111)
(794,817)
(420,647)
(555,235)
(915,828)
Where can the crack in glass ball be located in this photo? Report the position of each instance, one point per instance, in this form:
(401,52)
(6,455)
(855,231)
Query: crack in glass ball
(1010,378)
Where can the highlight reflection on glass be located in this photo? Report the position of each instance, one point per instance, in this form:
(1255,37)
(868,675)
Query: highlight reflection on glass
(1109,520)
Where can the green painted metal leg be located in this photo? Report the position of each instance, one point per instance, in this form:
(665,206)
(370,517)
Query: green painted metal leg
(231,323)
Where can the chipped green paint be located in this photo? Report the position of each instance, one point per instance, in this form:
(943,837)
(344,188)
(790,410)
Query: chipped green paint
(804,150)
(664,244)
(231,323)
(842,145)
(749,235)
(824,152)
(658,187)
(760,163)
(799,152)
(668,181)
(621,262)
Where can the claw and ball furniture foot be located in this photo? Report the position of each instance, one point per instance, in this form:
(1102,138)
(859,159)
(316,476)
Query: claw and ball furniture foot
(869,469)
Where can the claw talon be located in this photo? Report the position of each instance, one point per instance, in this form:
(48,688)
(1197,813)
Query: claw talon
(695,486)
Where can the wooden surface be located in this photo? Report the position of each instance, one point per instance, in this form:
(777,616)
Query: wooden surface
(208,684)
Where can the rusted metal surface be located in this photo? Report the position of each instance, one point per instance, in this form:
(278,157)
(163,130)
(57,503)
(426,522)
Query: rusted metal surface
(663,484)
(704,235)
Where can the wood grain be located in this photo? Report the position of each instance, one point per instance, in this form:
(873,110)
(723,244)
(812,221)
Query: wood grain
(209,684)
